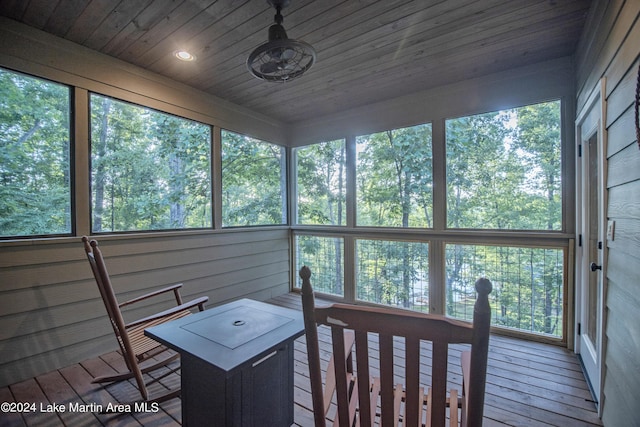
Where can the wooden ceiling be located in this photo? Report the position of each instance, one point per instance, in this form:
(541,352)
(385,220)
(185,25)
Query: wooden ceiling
(368,50)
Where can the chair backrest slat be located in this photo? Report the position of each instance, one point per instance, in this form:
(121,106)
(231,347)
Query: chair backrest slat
(413,328)
(412,375)
(363,378)
(386,379)
(440,352)
(342,392)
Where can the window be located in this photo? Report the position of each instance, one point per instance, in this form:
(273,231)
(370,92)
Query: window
(325,257)
(394,178)
(527,285)
(393,273)
(321,183)
(504,169)
(500,171)
(254,182)
(149,170)
(35,158)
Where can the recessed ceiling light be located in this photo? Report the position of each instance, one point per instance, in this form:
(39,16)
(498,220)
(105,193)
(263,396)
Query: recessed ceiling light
(183,55)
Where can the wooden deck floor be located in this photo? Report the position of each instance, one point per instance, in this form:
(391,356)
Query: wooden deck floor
(528,384)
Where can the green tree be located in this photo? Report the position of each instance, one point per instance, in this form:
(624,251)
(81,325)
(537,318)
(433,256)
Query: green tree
(253,181)
(394,190)
(394,178)
(150,170)
(321,183)
(35,185)
(504,172)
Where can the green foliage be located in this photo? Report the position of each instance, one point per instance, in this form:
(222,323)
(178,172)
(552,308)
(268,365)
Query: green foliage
(504,169)
(394,178)
(321,170)
(35,185)
(253,181)
(324,255)
(393,273)
(527,285)
(149,170)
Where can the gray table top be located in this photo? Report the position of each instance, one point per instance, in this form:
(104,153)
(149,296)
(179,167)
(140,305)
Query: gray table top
(232,335)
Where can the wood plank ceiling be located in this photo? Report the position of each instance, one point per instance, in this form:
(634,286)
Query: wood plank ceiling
(368,50)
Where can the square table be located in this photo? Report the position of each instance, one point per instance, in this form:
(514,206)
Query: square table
(236,363)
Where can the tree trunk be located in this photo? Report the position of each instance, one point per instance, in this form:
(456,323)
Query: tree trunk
(99,168)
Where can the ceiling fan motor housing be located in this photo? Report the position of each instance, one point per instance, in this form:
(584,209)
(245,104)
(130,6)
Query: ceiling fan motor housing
(280,59)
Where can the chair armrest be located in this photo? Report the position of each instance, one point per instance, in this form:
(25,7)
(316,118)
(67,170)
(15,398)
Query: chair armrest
(174,288)
(199,302)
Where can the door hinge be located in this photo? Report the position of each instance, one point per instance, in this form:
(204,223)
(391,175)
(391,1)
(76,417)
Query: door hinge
(579,329)
(580,240)
(580,150)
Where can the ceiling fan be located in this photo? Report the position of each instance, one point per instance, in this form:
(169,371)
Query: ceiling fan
(281,59)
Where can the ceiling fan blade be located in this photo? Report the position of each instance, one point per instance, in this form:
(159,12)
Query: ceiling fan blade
(287,54)
(269,67)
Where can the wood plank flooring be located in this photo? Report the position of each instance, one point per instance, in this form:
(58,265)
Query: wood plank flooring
(528,384)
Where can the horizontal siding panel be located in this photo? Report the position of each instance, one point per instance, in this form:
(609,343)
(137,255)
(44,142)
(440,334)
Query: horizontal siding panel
(626,56)
(249,273)
(49,263)
(250,288)
(624,201)
(48,340)
(46,251)
(617,273)
(621,133)
(41,297)
(622,98)
(186,257)
(136,244)
(600,16)
(618,21)
(626,239)
(44,362)
(622,375)
(43,274)
(626,322)
(43,330)
(52,313)
(29,253)
(51,318)
(623,167)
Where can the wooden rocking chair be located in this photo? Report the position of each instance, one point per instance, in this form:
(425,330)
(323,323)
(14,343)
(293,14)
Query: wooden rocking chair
(357,391)
(138,350)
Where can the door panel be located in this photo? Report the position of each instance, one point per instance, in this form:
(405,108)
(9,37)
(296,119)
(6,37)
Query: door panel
(591,253)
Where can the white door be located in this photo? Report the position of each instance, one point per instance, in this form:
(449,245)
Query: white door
(591,251)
